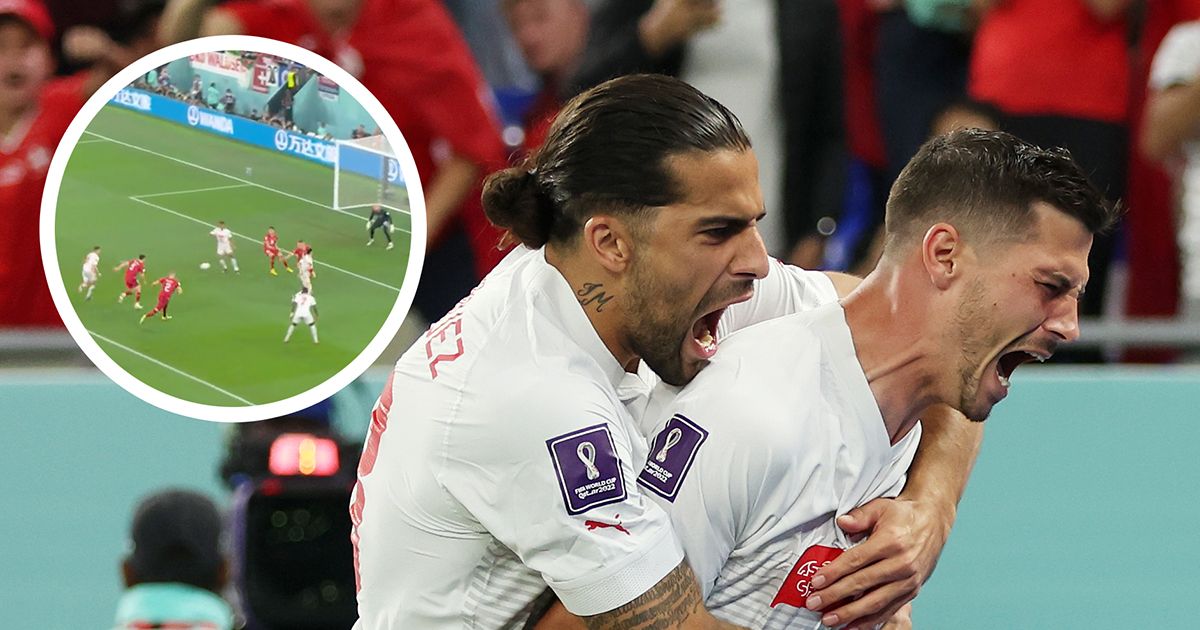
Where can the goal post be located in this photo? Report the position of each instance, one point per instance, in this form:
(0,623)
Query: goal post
(366,172)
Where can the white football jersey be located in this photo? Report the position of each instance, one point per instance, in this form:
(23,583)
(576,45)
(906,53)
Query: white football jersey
(91,262)
(449,510)
(304,304)
(223,235)
(510,444)
(756,457)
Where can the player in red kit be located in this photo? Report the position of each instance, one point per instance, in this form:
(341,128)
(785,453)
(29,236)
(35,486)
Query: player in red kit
(271,249)
(169,286)
(302,250)
(135,269)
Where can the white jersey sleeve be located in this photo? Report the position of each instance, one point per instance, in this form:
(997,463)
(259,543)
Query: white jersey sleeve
(787,289)
(1177,61)
(561,494)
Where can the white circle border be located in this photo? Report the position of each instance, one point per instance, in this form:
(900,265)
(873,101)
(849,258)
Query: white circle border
(58,289)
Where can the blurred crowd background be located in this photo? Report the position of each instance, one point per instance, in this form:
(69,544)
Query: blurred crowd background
(835,94)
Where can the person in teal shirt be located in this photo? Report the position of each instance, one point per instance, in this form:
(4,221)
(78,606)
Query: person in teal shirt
(212,96)
(176,569)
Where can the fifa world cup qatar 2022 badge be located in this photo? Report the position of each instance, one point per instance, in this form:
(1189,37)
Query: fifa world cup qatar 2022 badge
(589,472)
(671,455)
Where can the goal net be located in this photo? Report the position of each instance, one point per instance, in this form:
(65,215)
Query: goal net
(365,173)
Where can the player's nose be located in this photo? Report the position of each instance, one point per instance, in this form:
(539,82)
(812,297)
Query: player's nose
(1064,320)
(751,257)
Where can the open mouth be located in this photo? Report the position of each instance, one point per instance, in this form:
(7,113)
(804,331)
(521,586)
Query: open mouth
(704,333)
(1010,361)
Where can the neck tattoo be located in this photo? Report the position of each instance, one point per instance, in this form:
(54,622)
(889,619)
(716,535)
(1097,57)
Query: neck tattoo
(593,293)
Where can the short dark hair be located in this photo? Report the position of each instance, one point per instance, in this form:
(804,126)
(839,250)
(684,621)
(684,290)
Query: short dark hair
(176,536)
(985,183)
(141,257)
(607,150)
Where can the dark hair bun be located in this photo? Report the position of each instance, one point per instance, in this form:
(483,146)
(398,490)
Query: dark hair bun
(513,201)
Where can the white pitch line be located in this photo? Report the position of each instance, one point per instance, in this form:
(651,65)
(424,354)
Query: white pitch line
(254,240)
(90,141)
(193,190)
(173,369)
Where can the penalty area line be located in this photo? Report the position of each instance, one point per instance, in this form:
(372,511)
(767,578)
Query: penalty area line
(169,367)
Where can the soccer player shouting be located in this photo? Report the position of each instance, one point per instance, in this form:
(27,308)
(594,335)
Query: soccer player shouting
(169,286)
(640,216)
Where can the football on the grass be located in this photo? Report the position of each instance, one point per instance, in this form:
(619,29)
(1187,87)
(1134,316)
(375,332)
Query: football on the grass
(204,266)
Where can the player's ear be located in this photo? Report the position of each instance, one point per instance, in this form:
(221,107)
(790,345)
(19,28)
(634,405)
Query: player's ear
(128,576)
(942,253)
(609,241)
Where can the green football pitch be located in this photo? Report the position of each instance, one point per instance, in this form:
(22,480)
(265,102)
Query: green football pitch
(138,185)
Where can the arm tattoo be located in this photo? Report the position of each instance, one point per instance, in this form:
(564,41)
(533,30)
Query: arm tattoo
(675,598)
(594,293)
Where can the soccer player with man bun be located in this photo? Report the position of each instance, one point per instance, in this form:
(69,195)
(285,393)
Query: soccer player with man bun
(91,271)
(135,270)
(170,284)
(638,217)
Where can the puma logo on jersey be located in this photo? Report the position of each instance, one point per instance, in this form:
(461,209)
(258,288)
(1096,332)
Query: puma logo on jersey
(593,525)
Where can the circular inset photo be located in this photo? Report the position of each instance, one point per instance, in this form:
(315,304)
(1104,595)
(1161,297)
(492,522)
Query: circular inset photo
(233,228)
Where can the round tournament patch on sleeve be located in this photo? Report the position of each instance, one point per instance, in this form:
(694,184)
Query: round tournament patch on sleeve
(671,455)
(589,472)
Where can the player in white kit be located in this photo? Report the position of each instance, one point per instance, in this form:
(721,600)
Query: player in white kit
(305,265)
(515,464)
(304,311)
(224,238)
(803,418)
(91,272)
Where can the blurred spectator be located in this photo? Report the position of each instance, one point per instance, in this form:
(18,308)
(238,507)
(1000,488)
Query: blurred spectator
(963,114)
(1058,71)
(630,36)
(492,45)
(1172,134)
(410,55)
(228,101)
(175,569)
(286,102)
(359,132)
(34,113)
(920,68)
(196,95)
(212,96)
(552,35)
